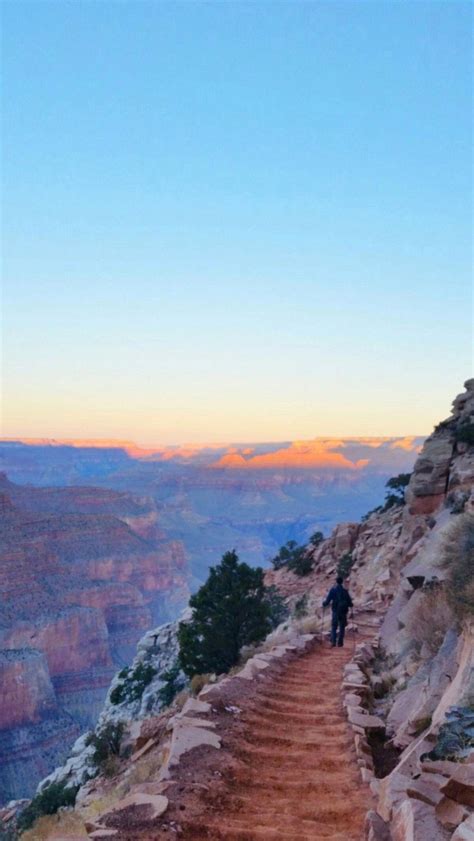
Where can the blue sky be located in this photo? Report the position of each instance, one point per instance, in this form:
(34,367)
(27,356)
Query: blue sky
(235,221)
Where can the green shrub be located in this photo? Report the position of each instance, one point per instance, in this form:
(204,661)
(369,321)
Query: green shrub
(345,564)
(316,538)
(458,561)
(301,607)
(47,803)
(133,683)
(465,432)
(174,683)
(279,610)
(106,743)
(285,554)
(396,486)
(395,494)
(455,737)
(229,611)
(301,563)
(294,557)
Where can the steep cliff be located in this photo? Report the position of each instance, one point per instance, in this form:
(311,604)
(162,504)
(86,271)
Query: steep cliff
(83,572)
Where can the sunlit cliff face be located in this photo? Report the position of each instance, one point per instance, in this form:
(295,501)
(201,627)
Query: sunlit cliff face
(298,454)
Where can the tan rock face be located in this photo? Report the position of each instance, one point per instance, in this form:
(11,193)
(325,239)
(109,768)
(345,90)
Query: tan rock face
(430,474)
(74,640)
(445,464)
(26,691)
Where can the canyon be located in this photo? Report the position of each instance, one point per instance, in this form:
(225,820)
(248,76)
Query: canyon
(83,573)
(393,722)
(212,497)
(101,540)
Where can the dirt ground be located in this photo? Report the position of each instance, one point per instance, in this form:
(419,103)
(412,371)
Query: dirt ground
(287,769)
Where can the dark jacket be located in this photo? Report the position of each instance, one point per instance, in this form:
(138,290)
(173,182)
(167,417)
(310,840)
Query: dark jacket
(340,601)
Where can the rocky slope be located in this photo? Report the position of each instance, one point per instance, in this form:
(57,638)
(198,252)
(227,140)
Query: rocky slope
(83,572)
(419,676)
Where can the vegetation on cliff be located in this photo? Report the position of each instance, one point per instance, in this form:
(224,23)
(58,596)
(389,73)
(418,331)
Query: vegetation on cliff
(395,494)
(229,611)
(47,802)
(133,683)
(106,743)
(294,557)
(458,559)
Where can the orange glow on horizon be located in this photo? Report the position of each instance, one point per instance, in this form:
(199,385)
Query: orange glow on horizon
(315,453)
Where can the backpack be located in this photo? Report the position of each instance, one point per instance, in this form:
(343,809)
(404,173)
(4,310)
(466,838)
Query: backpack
(342,602)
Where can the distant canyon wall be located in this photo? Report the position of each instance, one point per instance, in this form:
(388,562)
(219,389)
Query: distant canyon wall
(83,573)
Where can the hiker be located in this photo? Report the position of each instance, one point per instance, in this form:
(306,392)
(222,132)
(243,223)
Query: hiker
(340,601)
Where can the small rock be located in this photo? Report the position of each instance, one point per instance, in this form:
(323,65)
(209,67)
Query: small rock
(367,722)
(450,813)
(460,786)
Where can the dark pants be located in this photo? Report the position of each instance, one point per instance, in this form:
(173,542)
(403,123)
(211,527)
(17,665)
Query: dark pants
(338,625)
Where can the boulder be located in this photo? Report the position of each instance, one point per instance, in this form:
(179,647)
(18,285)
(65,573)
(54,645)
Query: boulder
(195,706)
(366,722)
(187,736)
(392,791)
(450,813)
(416,821)
(460,786)
(148,807)
(430,474)
(403,823)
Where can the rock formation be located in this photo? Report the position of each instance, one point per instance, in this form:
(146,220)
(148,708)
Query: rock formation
(83,572)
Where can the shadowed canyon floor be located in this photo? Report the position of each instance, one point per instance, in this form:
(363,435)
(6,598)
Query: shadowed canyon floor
(296,777)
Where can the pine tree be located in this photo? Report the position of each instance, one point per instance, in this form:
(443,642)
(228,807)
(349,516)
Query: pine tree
(230,610)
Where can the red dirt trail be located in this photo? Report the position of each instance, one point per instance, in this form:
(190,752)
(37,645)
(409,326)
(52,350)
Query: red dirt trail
(296,776)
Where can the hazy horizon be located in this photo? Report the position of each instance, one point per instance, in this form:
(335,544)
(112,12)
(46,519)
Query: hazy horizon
(149,445)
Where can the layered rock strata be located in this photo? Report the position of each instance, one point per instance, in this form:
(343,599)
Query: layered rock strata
(83,573)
